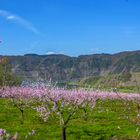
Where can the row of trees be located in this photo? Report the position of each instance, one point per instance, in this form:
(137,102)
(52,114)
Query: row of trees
(65,105)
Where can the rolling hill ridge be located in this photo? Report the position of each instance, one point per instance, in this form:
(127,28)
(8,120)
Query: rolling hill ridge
(65,68)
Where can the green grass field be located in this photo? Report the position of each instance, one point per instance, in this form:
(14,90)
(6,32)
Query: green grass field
(107,121)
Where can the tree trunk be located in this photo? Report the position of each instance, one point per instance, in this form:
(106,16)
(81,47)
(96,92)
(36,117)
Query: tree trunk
(22,116)
(63,135)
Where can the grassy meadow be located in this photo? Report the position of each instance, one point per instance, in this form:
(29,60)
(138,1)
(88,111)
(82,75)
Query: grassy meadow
(108,120)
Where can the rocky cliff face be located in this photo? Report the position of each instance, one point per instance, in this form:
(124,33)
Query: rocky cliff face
(63,68)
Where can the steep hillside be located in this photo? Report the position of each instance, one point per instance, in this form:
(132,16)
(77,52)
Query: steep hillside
(66,68)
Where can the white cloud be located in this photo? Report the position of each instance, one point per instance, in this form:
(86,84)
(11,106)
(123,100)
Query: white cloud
(19,20)
(10,17)
(50,52)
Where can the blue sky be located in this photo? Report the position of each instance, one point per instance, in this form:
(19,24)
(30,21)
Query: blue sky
(70,27)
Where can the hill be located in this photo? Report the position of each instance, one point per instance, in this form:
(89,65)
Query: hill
(64,68)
